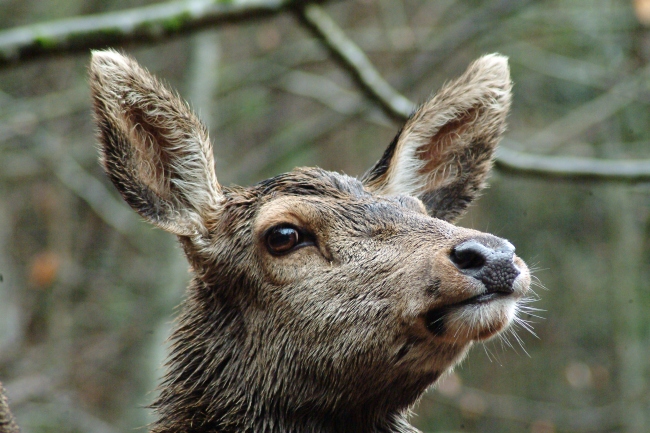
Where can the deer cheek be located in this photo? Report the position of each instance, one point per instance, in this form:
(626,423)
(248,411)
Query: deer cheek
(452,285)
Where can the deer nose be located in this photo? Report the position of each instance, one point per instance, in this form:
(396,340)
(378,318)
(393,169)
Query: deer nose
(491,262)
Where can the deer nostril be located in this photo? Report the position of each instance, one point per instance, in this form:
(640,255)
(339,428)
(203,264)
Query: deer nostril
(492,265)
(469,256)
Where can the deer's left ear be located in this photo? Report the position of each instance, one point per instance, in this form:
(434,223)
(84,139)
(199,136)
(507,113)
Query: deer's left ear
(444,152)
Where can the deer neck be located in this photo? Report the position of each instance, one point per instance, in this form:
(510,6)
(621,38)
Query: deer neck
(213,383)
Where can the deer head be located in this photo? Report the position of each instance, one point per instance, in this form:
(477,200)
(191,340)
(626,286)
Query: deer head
(319,302)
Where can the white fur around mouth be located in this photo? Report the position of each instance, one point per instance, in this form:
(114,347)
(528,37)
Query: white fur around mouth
(476,318)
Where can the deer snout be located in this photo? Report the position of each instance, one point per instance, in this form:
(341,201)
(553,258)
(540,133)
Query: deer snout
(480,294)
(490,262)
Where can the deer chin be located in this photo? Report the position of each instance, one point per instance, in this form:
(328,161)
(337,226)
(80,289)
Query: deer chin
(477,318)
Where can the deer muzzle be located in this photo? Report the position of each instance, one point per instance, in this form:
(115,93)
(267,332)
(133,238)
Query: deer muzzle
(489,281)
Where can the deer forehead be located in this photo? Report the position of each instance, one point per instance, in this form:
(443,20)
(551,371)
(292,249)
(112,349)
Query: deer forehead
(369,215)
(398,219)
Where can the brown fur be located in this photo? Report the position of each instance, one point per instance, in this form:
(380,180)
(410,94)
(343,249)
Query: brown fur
(7,421)
(345,330)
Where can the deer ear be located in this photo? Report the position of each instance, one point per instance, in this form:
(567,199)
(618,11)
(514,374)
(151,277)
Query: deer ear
(444,152)
(153,148)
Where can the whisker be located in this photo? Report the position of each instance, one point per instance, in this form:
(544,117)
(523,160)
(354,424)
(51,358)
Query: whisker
(520,341)
(487,353)
(524,324)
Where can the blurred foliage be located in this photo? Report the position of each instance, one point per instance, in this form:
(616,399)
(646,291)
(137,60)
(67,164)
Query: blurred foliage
(88,291)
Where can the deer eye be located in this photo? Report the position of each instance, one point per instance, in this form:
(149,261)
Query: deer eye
(282,239)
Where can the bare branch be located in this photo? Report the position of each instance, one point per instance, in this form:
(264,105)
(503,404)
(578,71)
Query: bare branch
(323,90)
(400,107)
(565,167)
(561,67)
(286,142)
(481,20)
(355,60)
(164,20)
(145,24)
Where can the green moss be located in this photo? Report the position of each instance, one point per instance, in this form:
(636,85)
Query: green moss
(176,23)
(45,42)
(170,25)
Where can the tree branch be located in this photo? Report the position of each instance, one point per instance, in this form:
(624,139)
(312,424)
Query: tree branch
(19,116)
(399,107)
(565,167)
(165,20)
(145,24)
(354,60)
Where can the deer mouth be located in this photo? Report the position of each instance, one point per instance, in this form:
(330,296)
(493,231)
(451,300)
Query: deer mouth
(484,298)
(436,319)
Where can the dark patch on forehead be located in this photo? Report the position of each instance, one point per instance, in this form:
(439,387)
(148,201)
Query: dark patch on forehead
(392,212)
(242,202)
(312,182)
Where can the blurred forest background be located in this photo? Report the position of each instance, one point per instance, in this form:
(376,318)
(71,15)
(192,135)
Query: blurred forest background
(88,291)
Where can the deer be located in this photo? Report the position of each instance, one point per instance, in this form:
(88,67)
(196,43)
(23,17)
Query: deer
(319,302)
(7,421)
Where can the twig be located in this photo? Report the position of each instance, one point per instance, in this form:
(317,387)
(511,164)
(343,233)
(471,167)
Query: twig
(508,160)
(560,66)
(565,167)
(321,89)
(355,60)
(289,141)
(163,20)
(145,24)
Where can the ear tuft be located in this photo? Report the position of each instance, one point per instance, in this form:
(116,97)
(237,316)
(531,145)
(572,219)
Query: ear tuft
(492,67)
(108,57)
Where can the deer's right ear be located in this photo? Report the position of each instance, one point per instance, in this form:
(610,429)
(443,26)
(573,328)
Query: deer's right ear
(444,152)
(154,149)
